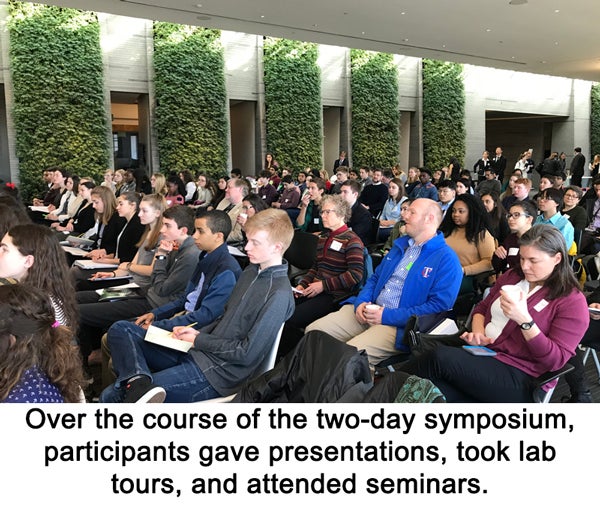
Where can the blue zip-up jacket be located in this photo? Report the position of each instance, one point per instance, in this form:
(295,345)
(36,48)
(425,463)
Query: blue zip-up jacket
(431,285)
(221,272)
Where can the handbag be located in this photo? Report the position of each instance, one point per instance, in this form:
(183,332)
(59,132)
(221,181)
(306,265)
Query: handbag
(420,342)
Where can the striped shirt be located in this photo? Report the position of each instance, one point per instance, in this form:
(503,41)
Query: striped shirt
(340,262)
(390,294)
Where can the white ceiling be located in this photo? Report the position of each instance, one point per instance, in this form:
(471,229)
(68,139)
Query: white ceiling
(553,37)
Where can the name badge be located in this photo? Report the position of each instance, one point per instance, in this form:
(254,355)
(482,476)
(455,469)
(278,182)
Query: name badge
(513,251)
(336,245)
(541,305)
(264,196)
(287,199)
(316,220)
(566,216)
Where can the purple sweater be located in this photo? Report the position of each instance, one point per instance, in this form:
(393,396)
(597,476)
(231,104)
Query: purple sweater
(562,323)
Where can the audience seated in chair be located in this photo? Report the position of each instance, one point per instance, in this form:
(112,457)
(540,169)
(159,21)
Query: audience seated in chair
(38,361)
(550,203)
(237,189)
(467,232)
(361,220)
(527,319)
(392,209)
(309,218)
(421,274)
(338,271)
(521,216)
(207,292)
(108,225)
(172,265)
(126,244)
(84,217)
(225,353)
(32,255)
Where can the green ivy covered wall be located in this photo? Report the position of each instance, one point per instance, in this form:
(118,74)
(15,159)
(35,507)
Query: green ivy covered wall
(191,99)
(375,114)
(59,111)
(293,103)
(444,131)
(595,120)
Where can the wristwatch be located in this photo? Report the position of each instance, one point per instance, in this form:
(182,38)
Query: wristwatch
(527,325)
(161,257)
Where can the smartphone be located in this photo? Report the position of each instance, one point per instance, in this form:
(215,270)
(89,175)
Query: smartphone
(594,310)
(479,350)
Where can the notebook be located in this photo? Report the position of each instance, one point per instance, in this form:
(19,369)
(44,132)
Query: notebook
(165,338)
(90,264)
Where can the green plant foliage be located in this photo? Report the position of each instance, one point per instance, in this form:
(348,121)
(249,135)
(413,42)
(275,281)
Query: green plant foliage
(595,120)
(59,111)
(293,103)
(191,122)
(443,113)
(375,110)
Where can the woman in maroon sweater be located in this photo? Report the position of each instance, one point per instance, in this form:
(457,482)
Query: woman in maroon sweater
(338,270)
(533,319)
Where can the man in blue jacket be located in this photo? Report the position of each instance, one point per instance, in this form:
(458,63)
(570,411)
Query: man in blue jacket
(420,275)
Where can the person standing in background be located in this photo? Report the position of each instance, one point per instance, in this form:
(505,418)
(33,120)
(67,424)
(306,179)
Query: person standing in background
(482,165)
(499,164)
(577,167)
(342,161)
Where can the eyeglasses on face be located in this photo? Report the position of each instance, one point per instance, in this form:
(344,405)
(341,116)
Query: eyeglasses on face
(327,211)
(516,215)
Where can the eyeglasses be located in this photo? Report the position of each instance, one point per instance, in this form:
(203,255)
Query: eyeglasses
(516,215)
(327,211)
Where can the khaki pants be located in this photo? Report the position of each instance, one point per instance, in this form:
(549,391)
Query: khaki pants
(378,340)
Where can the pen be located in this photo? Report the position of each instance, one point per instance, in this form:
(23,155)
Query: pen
(191,325)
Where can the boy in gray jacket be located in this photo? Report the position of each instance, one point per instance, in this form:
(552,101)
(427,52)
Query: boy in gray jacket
(227,352)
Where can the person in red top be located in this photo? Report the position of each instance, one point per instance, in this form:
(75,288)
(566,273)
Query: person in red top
(338,271)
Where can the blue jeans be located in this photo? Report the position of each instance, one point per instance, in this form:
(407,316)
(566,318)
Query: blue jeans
(175,371)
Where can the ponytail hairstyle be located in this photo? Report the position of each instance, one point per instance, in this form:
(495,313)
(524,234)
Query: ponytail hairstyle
(30,337)
(151,235)
(109,201)
(132,197)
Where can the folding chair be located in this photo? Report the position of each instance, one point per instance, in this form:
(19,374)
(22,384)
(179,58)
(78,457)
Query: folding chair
(267,364)
(542,394)
(301,255)
(591,350)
